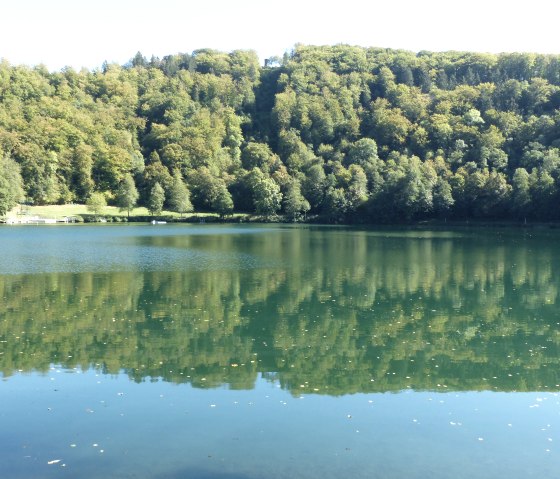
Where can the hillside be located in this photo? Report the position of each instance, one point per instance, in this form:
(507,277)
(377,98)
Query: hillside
(347,133)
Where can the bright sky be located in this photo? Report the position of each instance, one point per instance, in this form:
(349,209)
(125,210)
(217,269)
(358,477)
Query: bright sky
(85,33)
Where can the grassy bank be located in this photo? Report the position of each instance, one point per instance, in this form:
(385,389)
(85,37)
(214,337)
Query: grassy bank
(59,211)
(112,213)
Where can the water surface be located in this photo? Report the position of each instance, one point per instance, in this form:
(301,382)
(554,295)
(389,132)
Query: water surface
(248,351)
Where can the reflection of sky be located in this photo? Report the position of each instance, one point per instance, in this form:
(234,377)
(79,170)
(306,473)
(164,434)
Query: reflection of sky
(106,426)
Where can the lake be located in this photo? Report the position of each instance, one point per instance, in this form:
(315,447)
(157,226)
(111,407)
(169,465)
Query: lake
(248,351)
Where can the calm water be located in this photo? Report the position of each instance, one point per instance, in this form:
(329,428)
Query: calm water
(236,352)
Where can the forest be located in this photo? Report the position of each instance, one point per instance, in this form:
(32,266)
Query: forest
(339,134)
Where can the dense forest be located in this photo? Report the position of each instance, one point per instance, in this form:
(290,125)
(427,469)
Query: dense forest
(338,133)
(435,313)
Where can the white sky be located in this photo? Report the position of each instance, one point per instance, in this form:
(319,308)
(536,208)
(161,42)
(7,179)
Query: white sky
(84,33)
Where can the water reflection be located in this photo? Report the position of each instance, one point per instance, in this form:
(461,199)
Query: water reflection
(325,311)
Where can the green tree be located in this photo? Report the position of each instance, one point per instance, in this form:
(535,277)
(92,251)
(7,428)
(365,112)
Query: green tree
(267,197)
(222,202)
(357,187)
(96,203)
(495,197)
(204,187)
(82,182)
(154,173)
(179,196)
(442,197)
(11,189)
(257,155)
(521,193)
(156,200)
(127,195)
(542,192)
(389,124)
(313,186)
(335,205)
(363,152)
(295,204)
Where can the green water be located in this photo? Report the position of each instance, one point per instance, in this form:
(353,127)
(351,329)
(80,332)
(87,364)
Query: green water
(225,352)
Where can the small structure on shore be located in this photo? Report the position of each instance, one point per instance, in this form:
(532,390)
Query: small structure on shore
(38,220)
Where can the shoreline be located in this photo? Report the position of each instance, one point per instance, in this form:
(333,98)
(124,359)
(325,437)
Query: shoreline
(239,218)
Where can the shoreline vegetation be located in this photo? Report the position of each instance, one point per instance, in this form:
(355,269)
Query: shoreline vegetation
(332,134)
(77,213)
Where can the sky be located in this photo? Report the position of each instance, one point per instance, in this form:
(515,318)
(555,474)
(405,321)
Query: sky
(85,33)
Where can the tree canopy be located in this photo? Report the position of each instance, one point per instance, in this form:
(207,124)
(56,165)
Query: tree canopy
(358,134)
(11,191)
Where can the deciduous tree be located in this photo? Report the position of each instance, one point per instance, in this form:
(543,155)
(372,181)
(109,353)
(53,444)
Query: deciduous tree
(11,190)
(156,200)
(96,203)
(127,195)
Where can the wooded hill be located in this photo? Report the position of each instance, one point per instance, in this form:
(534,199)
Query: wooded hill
(347,133)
